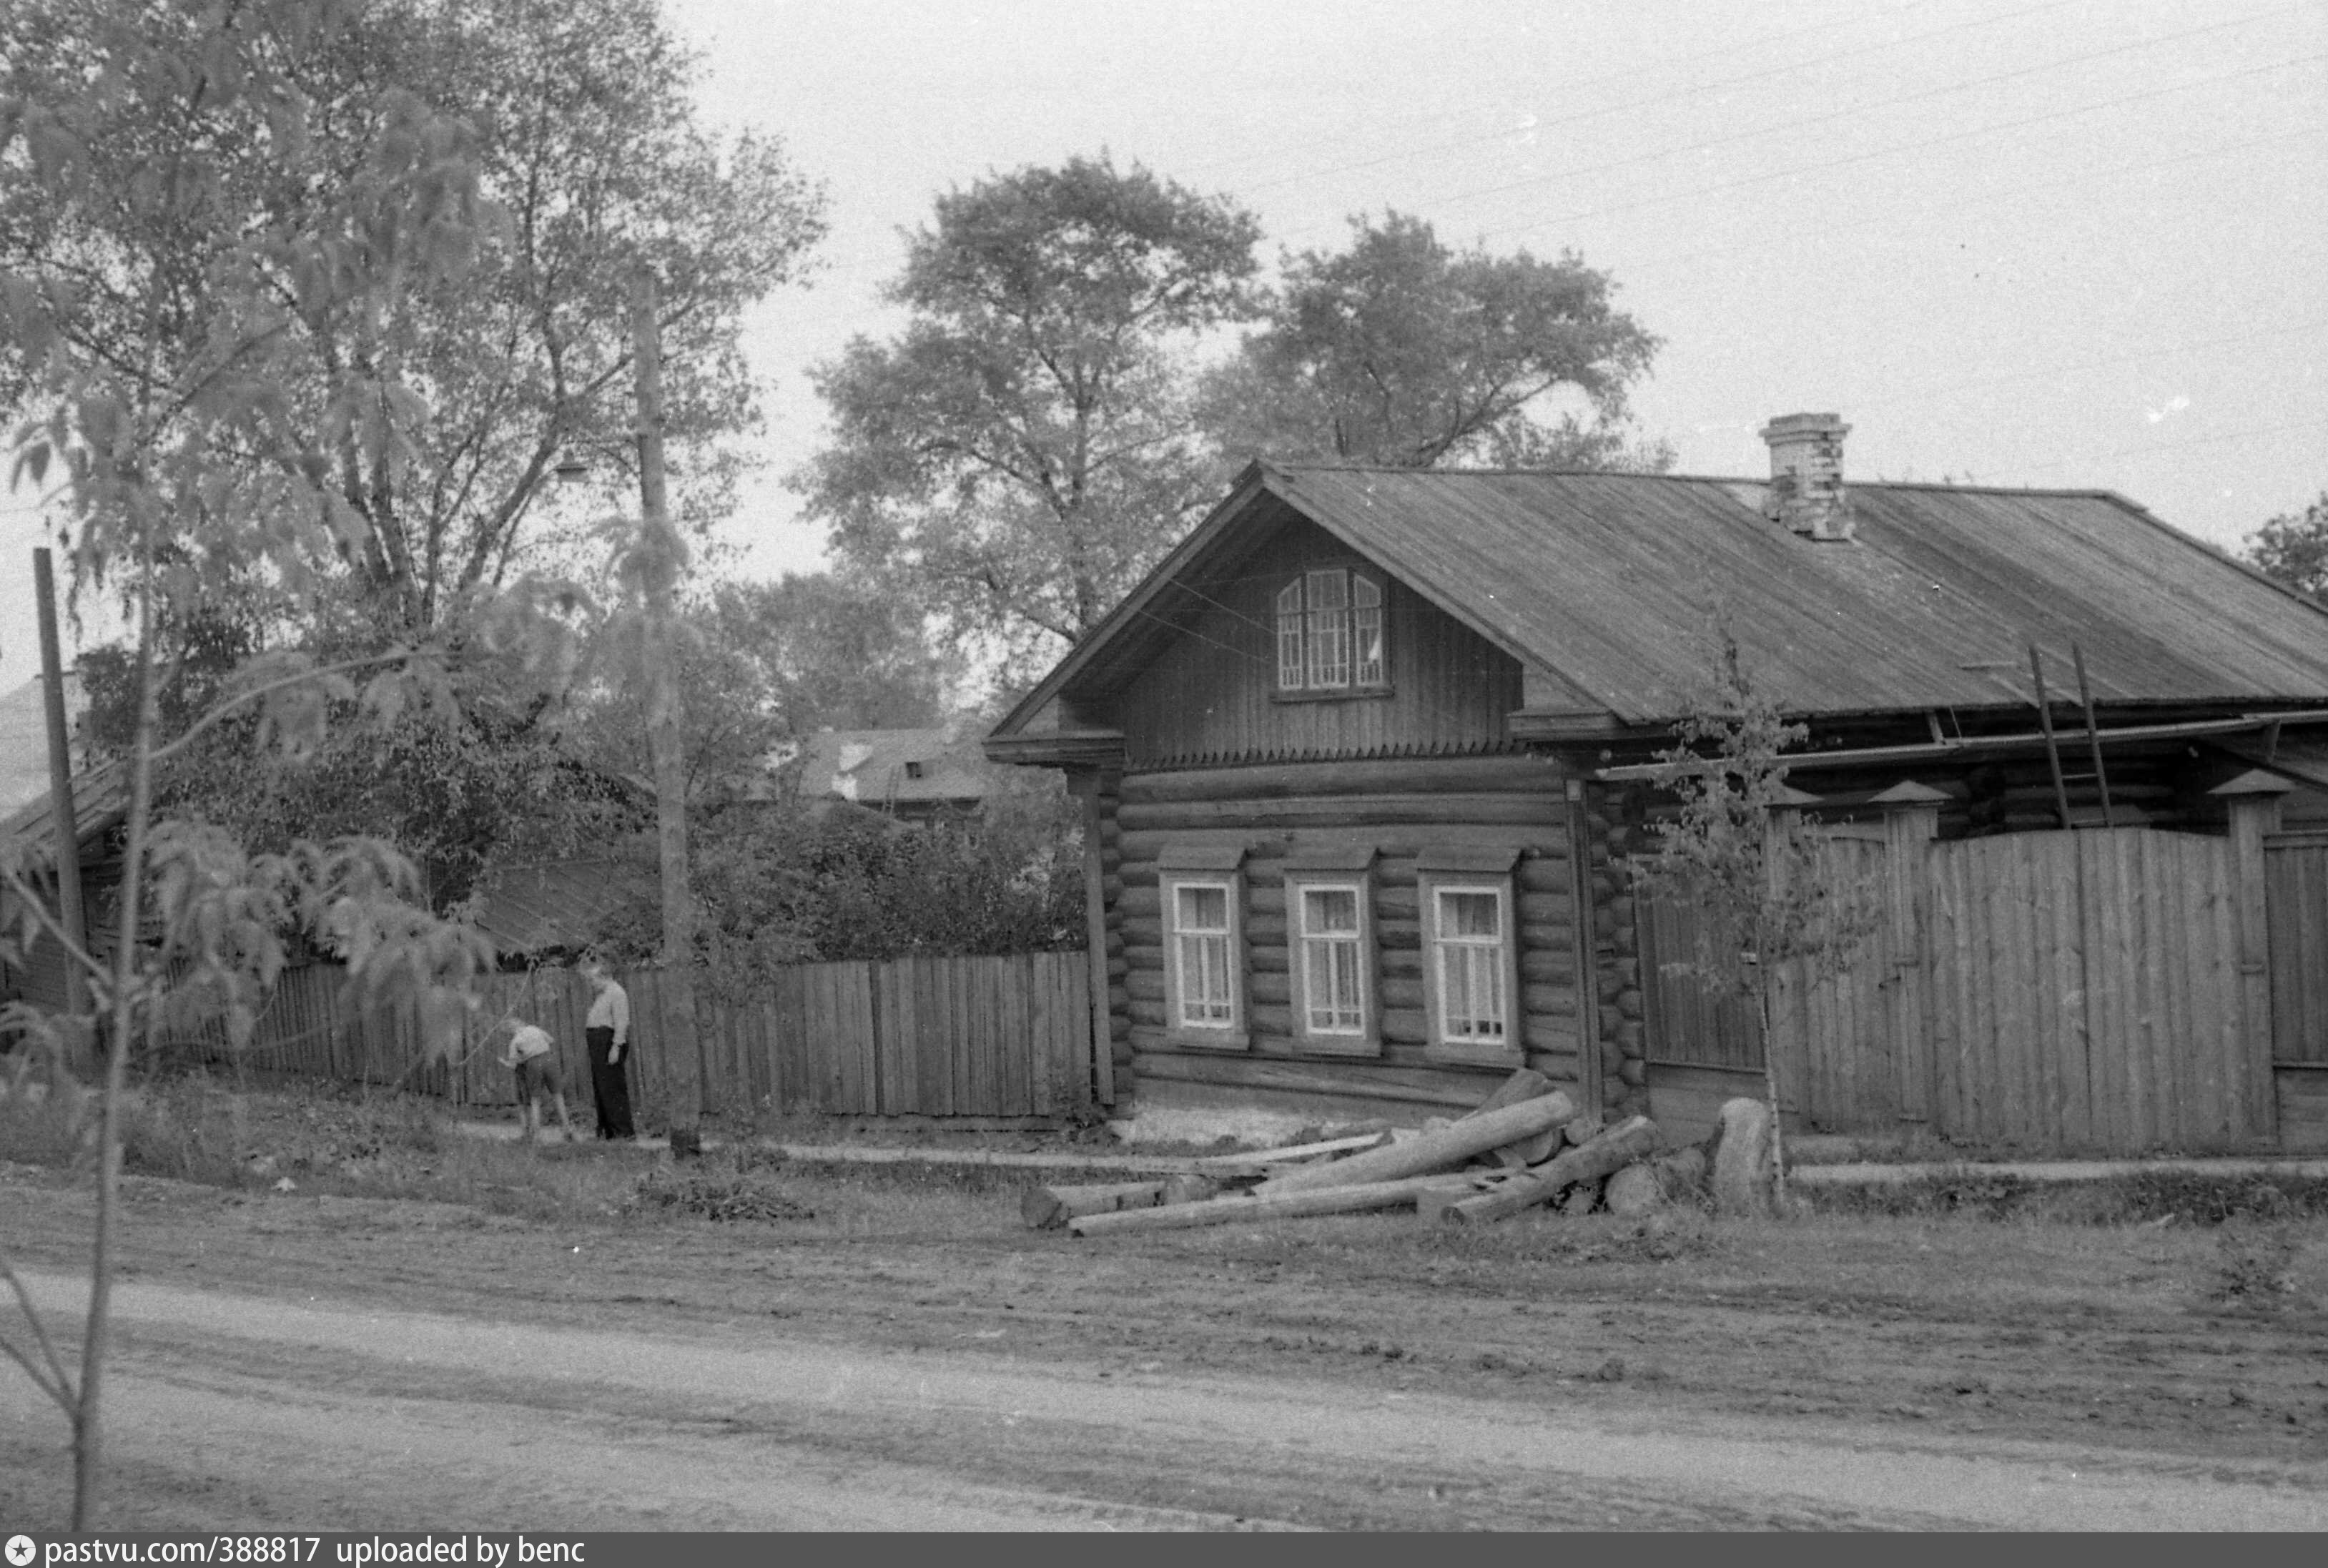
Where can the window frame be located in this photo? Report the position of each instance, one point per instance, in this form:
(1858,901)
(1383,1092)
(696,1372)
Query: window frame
(1491,873)
(1365,597)
(1201,867)
(1352,874)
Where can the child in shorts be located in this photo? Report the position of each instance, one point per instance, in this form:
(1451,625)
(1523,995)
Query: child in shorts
(533,1057)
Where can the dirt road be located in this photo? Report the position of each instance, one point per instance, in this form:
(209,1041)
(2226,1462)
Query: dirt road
(327,1415)
(356,1364)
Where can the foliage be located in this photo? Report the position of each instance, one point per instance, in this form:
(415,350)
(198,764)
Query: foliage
(1752,871)
(222,261)
(1402,352)
(760,663)
(2292,548)
(835,652)
(793,881)
(1023,451)
(431,433)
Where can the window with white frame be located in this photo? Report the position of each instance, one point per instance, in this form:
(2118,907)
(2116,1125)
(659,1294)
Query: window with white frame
(1333,957)
(1204,942)
(1471,958)
(1203,911)
(1330,633)
(1470,941)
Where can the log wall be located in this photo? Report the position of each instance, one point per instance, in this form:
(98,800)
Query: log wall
(1402,809)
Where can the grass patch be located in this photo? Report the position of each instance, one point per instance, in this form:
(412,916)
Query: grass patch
(732,1185)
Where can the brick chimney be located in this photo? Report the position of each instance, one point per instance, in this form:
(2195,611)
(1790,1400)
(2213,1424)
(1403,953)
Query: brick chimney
(1806,491)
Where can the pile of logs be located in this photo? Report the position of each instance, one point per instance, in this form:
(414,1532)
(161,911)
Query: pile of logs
(1525,1146)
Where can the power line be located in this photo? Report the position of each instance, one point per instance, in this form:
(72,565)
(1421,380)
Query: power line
(1689,92)
(2083,177)
(1904,147)
(1861,109)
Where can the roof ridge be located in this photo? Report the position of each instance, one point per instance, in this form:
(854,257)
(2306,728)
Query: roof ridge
(1307,467)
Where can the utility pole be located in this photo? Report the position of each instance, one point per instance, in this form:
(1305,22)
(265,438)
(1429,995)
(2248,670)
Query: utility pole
(661,556)
(60,797)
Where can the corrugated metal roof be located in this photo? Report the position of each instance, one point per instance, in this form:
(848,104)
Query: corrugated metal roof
(538,908)
(1612,582)
(878,767)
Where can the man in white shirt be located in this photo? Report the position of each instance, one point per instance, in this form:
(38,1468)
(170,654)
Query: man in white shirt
(533,1057)
(609,1031)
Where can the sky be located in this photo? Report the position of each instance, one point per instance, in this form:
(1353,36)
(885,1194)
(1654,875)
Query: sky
(2063,244)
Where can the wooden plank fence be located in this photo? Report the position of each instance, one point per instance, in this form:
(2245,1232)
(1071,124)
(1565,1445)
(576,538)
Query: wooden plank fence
(2115,989)
(998,1037)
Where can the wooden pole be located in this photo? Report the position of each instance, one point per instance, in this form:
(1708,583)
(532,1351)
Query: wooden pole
(661,556)
(2093,733)
(62,816)
(2045,724)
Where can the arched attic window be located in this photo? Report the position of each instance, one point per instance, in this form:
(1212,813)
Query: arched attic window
(1330,633)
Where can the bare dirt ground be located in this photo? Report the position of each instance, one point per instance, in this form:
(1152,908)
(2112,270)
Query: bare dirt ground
(912,1359)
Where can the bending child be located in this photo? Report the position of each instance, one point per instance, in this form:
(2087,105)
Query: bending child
(534,1058)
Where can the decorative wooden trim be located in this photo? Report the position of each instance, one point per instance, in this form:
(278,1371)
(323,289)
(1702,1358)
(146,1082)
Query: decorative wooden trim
(1496,862)
(1200,858)
(1333,694)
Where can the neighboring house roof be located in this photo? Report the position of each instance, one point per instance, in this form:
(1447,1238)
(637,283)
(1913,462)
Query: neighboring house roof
(539,908)
(1605,584)
(891,768)
(100,804)
(24,740)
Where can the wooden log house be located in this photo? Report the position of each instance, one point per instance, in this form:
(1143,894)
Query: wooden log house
(1362,758)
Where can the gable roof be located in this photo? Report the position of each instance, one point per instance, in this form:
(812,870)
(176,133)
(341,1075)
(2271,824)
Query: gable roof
(1608,583)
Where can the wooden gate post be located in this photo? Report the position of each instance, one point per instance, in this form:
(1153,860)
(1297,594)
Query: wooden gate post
(2253,799)
(1911,820)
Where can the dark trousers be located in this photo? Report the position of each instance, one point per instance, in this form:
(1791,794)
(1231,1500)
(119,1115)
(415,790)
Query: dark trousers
(608,1086)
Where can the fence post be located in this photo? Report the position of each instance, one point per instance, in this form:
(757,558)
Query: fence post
(1911,820)
(2253,800)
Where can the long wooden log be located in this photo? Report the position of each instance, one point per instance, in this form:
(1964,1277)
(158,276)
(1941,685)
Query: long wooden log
(1358,1200)
(1049,1208)
(1612,1150)
(1526,1083)
(1291,1154)
(1441,1150)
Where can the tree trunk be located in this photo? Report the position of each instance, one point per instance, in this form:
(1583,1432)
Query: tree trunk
(88,1427)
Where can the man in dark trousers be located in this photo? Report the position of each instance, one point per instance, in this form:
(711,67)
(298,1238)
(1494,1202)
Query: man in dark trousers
(607,1029)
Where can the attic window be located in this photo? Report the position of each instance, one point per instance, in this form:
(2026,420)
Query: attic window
(1329,632)
(913,770)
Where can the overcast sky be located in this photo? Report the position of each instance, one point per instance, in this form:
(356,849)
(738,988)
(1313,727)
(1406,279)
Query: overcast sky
(2071,243)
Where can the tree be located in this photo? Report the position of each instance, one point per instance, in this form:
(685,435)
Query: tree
(435,433)
(1401,351)
(835,653)
(1023,451)
(1762,890)
(2292,548)
(162,358)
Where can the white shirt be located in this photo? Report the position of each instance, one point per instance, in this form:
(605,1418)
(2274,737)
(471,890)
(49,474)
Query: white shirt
(611,1009)
(529,1041)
